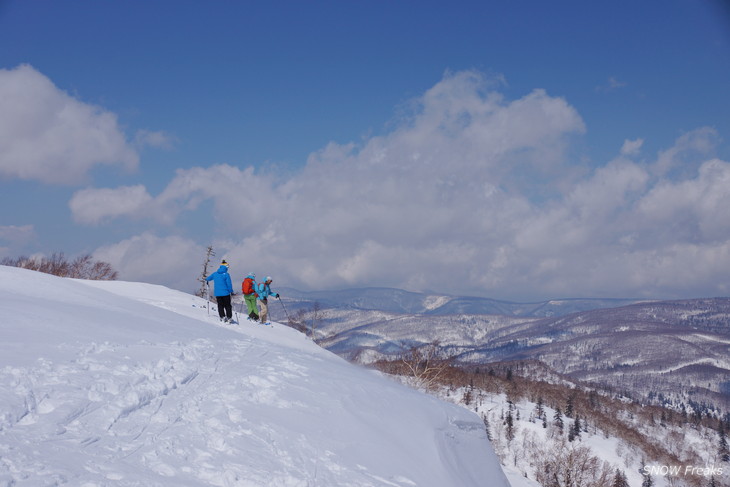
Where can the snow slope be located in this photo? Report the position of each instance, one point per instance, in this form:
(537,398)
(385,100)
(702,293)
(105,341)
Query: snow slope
(129,384)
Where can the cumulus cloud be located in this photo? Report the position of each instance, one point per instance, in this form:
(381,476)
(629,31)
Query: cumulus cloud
(49,136)
(470,193)
(420,201)
(691,149)
(93,206)
(694,209)
(149,258)
(632,147)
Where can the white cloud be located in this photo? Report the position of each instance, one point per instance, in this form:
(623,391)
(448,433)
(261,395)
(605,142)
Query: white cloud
(158,139)
(470,194)
(632,147)
(690,150)
(420,201)
(46,135)
(172,260)
(93,206)
(695,209)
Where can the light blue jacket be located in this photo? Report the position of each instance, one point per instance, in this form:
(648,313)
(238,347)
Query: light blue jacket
(222,285)
(264,291)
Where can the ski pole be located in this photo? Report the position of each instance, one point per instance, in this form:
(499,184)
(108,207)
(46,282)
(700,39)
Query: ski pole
(207,298)
(285,311)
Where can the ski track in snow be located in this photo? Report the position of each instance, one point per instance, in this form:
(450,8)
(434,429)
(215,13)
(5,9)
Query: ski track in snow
(238,408)
(140,404)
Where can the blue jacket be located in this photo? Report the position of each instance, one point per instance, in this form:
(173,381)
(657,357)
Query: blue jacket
(264,291)
(221,281)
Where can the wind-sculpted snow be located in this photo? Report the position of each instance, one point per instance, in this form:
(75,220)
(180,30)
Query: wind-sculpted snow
(123,384)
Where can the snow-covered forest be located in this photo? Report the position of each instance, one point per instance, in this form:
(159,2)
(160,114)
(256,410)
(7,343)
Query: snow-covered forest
(554,432)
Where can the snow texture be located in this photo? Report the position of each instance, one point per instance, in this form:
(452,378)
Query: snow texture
(130,384)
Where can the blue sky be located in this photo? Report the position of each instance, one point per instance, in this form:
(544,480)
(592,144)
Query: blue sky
(518,150)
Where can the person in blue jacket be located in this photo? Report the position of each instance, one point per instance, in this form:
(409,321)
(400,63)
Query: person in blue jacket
(263,289)
(222,289)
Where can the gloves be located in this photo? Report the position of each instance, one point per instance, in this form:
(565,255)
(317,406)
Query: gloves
(277,295)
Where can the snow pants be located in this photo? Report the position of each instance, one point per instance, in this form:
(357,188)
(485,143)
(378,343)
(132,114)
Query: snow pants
(225,309)
(251,304)
(264,314)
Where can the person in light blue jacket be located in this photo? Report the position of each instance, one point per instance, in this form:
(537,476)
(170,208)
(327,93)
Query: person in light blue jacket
(222,289)
(263,289)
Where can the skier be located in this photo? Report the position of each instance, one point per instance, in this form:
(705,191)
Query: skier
(249,295)
(223,289)
(264,291)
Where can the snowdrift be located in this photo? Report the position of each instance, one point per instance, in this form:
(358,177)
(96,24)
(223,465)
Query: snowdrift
(130,384)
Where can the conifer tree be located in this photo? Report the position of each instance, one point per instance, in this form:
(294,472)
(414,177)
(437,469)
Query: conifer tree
(558,419)
(574,430)
(467,397)
(487,427)
(648,481)
(510,424)
(540,406)
(723,451)
(619,479)
(569,406)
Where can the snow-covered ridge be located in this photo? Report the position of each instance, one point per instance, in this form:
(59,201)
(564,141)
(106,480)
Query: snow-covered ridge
(400,301)
(114,383)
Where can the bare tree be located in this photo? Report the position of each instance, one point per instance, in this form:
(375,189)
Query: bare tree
(202,279)
(78,266)
(316,318)
(563,464)
(101,271)
(308,320)
(426,363)
(83,267)
(56,264)
(297,321)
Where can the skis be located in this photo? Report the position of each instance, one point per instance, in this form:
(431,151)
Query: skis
(234,321)
(268,323)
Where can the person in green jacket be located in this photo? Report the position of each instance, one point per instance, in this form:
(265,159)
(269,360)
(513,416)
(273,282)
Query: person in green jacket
(249,295)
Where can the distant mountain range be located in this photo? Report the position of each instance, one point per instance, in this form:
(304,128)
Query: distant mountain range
(674,351)
(399,301)
(670,352)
